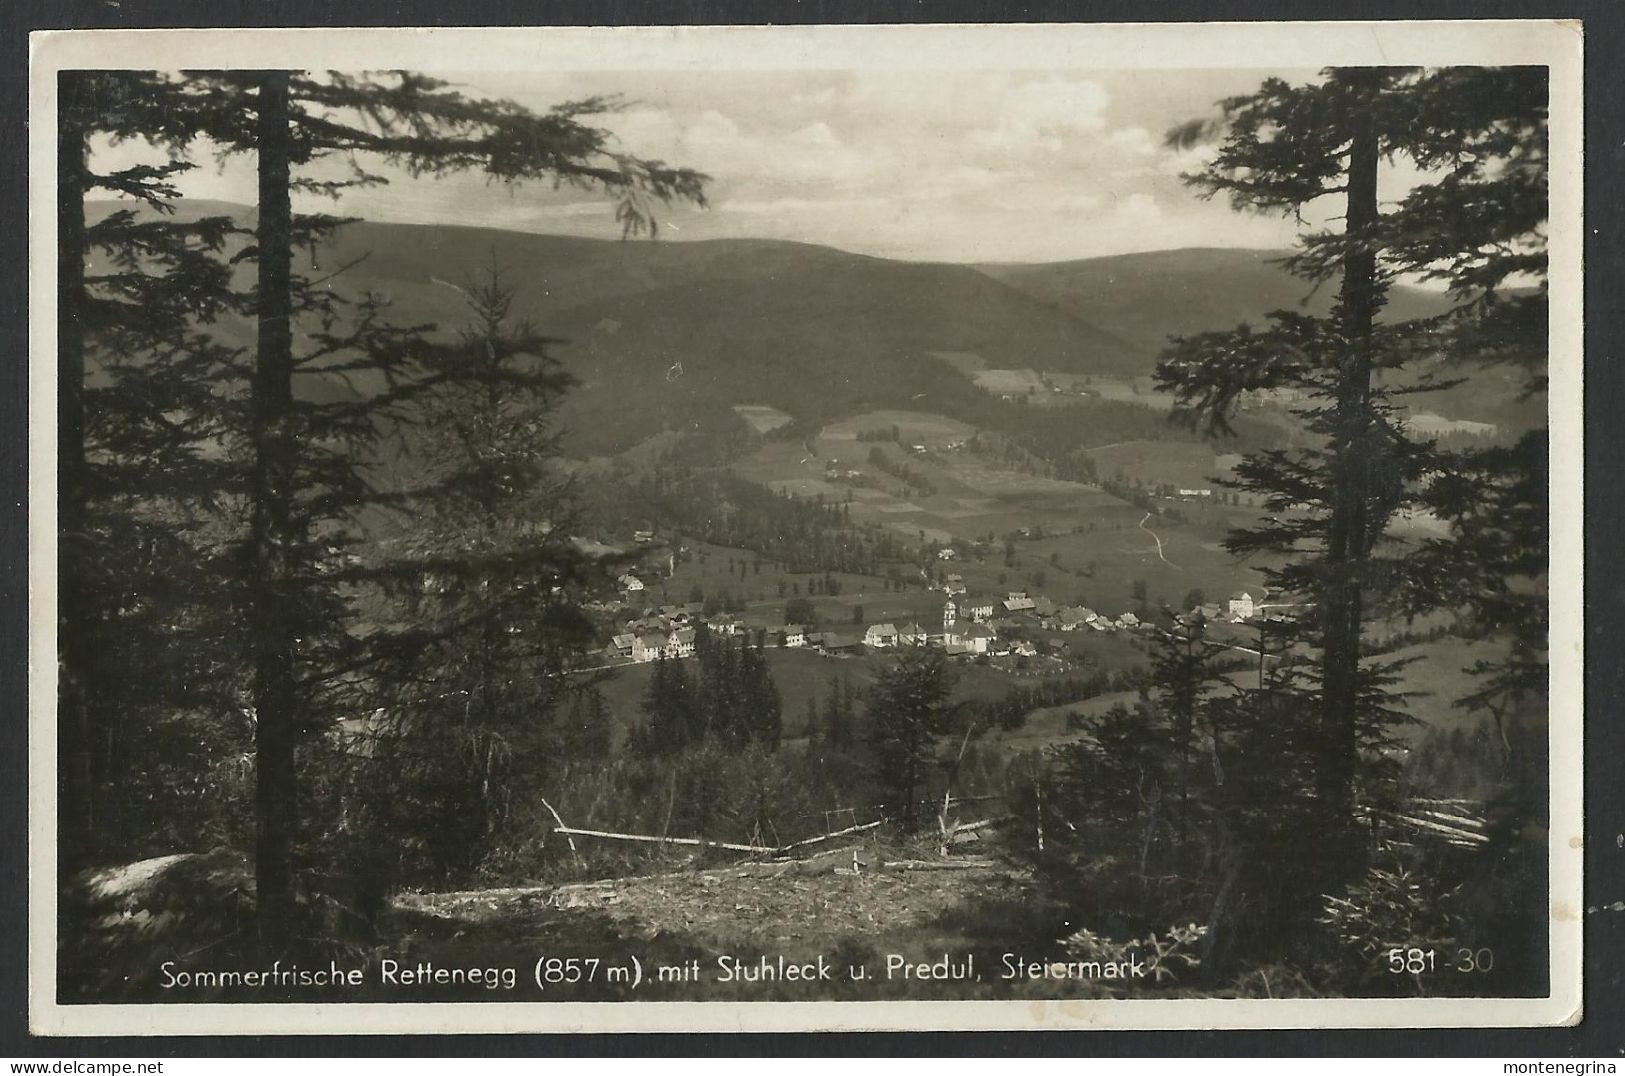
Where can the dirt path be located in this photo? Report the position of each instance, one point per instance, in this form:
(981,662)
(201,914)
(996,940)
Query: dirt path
(1158,540)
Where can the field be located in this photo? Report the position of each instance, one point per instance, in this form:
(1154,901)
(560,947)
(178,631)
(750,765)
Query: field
(1054,386)
(969,497)
(1088,545)
(1136,391)
(762,419)
(1438,678)
(714,570)
(1099,563)
(1435,678)
(1177,463)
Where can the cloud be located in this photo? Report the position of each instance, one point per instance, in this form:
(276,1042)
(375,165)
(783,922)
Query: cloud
(950,165)
(716,143)
(1055,106)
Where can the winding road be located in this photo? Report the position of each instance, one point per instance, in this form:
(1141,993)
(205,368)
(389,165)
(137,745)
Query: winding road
(1156,539)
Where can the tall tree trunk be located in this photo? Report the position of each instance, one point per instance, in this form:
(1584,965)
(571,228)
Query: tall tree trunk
(1349,533)
(76,786)
(274,534)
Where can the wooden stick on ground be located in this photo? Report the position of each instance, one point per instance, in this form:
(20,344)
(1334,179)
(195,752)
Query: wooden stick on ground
(693,841)
(564,830)
(827,836)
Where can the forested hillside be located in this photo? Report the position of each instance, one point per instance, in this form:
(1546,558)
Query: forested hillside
(669,335)
(1145,298)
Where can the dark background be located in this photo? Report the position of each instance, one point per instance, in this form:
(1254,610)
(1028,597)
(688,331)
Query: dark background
(1601,1034)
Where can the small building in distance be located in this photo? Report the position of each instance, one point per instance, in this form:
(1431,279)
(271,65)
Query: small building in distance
(880,635)
(630,583)
(979,610)
(647,646)
(1241,606)
(1073,617)
(680,644)
(1018,602)
(977,638)
(834,644)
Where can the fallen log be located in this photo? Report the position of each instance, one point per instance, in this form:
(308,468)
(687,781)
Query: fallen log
(1454,833)
(696,842)
(827,836)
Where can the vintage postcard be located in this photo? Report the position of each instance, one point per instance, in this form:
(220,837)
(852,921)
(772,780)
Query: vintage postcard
(838,527)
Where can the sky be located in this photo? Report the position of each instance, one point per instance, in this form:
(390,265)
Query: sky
(958,166)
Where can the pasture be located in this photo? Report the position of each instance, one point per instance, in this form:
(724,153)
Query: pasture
(969,496)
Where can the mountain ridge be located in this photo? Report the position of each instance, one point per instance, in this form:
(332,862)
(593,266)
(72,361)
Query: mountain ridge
(668,335)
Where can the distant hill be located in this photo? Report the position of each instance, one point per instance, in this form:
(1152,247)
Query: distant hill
(671,335)
(1145,298)
(663,332)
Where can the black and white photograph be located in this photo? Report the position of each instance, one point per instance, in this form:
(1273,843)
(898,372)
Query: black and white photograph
(1065,517)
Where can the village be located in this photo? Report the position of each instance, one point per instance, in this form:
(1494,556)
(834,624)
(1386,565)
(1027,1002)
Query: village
(970,626)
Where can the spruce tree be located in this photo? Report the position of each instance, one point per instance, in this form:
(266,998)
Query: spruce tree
(908,710)
(1477,137)
(761,710)
(419,125)
(1182,666)
(479,620)
(304,485)
(143,395)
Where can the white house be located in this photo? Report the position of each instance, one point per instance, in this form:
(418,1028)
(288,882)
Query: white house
(1128,620)
(980,610)
(1241,606)
(795,635)
(648,646)
(1018,602)
(630,582)
(680,644)
(946,554)
(880,635)
(977,638)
